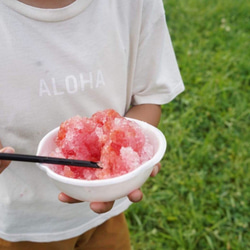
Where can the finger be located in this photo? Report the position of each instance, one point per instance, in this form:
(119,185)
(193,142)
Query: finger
(101,207)
(156,170)
(136,195)
(4,163)
(67,199)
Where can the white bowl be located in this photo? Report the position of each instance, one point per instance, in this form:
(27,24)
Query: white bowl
(106,189)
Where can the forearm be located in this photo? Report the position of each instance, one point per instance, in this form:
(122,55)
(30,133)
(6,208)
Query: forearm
(150,113)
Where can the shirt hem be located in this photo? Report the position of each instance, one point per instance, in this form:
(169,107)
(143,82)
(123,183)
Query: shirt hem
(161,98)
(57,236)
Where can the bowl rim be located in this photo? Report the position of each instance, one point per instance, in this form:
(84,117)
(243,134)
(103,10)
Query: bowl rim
(114,180)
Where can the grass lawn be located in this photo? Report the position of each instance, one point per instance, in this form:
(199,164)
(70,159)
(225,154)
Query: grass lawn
(201,197)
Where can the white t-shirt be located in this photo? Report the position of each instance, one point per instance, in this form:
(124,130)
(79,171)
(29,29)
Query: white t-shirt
(57,63)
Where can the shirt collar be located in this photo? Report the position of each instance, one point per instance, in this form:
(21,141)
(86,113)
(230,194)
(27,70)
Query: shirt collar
(48,15)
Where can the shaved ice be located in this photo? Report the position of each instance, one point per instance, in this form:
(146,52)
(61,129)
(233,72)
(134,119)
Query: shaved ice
(116,143)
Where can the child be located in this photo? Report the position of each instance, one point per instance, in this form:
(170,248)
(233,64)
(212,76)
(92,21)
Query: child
(59,59)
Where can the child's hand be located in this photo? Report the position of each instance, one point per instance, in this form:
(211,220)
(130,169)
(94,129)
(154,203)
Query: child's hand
(5,164)
(103,207)
(156,169)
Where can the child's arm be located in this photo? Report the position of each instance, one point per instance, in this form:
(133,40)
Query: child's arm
(150,113)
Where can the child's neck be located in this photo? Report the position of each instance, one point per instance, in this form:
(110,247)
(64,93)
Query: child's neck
(47,4)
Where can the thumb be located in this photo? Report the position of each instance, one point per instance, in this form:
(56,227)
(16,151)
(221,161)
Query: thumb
(4,163)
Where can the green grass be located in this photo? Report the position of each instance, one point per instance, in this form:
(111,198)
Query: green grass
(201,197)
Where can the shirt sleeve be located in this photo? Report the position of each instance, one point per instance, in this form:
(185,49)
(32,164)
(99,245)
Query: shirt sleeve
(157,77)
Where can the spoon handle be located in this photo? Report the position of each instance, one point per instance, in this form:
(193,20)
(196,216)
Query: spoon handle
(49,160)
